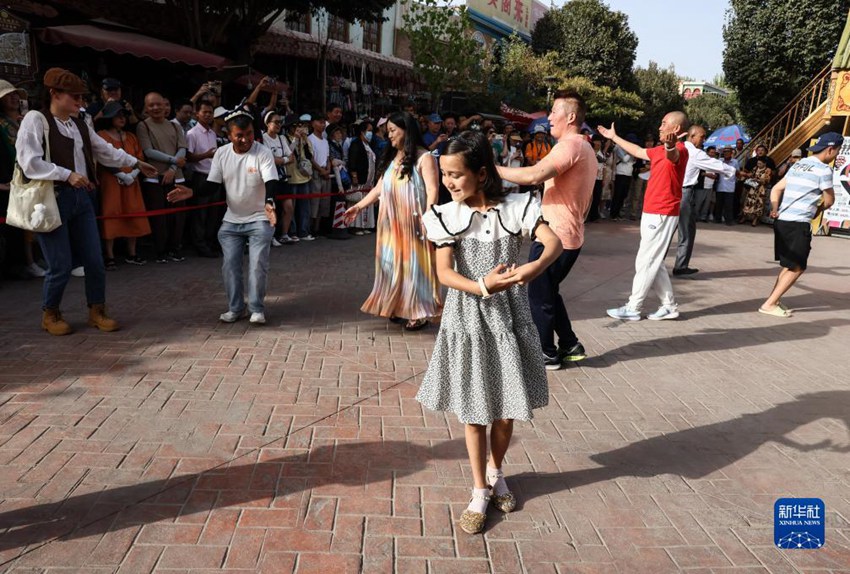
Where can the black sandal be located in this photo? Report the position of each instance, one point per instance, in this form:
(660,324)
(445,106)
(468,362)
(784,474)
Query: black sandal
(110,265)
(417,325)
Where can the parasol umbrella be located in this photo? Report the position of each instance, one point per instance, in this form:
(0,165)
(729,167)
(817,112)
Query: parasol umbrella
(726,136)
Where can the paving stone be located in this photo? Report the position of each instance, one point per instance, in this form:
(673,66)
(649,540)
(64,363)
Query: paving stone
(180,444)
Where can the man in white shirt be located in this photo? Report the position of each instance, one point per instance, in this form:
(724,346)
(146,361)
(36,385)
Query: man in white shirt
(624,171)
(201,145)
(724,197)
(794,202)
(320,207)
(248,173)
(697,160)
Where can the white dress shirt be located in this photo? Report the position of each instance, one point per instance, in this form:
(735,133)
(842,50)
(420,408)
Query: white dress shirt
(697,160)
(200,140)
(30,150)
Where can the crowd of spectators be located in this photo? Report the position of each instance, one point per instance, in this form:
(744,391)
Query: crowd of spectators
(317,153)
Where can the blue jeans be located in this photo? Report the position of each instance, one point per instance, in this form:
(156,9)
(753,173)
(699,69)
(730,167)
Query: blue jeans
(302,218)
(547,306)
(232,238)
(77,239)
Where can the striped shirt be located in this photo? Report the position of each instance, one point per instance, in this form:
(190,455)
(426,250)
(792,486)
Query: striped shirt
(805,182)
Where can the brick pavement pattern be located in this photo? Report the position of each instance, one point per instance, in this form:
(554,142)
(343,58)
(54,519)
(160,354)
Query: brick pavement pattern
(180,444)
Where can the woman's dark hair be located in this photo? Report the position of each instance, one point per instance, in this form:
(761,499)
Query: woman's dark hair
(412,143)
(477,153)
(360,129)
(335,128)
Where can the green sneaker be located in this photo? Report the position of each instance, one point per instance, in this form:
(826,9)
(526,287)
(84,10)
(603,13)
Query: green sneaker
(573,354)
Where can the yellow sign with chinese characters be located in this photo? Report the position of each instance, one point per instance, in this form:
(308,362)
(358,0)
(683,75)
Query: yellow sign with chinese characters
(512,14)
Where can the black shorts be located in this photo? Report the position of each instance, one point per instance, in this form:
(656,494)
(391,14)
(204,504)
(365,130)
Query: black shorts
(792,242)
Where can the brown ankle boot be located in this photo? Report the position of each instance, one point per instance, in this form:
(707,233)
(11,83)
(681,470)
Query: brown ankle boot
(98,318)
(53,323)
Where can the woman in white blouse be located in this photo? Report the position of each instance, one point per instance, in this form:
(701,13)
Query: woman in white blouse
(74,147)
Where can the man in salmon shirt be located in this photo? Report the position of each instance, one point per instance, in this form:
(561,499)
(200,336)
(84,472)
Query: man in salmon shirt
(569,173)
(660,216)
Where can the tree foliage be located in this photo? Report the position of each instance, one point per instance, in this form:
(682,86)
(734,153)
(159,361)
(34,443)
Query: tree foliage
(713,111)
(590,40)
(658,88)
(444,53)
(775,47)
(523,78)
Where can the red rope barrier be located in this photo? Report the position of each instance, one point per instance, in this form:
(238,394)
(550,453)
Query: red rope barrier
(170,210)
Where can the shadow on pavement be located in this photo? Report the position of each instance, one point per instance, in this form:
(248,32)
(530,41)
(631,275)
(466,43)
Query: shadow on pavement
(347,464)
(697,452)
(717,340)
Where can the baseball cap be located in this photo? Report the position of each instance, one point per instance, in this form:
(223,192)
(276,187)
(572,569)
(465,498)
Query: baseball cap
(220,112)
(797,153)
(538,129)
(290,119)
(829,139)
(382,121)
(112,109)
(306,118)
(435,118)
(110,83)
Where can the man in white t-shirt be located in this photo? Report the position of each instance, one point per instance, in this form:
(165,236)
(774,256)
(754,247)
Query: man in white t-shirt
(320,207)
(248,173)
(794,202)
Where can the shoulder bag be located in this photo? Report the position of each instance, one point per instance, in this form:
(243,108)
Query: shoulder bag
(32,202)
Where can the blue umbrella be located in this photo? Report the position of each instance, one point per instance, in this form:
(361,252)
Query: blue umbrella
(545,123)
(726,136)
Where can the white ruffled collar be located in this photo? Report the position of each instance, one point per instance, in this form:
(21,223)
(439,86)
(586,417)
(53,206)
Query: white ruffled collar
(456,217)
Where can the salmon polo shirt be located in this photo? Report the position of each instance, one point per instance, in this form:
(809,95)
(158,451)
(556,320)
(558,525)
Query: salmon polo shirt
(567,196)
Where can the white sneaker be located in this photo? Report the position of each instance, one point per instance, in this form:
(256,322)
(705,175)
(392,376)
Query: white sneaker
(233,316)
(294,239)
(35,271)
(78,271)
(308,238)
(257,319)
(624,314)
(664,312)
(276,243)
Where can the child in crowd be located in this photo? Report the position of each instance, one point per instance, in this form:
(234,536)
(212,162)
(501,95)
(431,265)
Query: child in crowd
(486,366)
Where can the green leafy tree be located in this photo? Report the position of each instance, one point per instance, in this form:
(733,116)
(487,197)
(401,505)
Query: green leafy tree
(523,79)
(444,53)
(713,111)
(775,47)
(590,40)
(658,88)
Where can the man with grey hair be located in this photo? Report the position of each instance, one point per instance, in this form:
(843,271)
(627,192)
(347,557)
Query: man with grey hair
(697,160)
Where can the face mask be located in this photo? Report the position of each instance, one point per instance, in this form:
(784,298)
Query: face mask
(368,136)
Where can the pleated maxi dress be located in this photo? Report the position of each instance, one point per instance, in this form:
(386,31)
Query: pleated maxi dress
(405,273)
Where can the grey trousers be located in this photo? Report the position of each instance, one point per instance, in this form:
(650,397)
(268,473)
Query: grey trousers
(687,227)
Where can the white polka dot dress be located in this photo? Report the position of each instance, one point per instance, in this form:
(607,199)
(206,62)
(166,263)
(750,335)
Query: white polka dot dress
(487,362)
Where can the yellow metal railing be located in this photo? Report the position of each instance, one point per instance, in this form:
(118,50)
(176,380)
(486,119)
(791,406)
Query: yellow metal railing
(795,113)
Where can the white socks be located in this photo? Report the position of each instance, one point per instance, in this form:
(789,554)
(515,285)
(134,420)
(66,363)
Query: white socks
(496,479)
(480,500)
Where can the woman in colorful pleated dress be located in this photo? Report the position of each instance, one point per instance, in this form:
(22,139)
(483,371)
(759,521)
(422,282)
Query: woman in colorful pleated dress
(486,367)
(406,289)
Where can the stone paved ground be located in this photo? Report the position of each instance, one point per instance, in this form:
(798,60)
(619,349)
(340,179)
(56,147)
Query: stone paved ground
(181,444)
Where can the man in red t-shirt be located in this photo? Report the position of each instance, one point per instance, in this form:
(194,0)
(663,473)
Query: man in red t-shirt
(660,216)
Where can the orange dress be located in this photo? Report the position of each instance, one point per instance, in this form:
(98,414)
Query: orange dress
(116,199)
